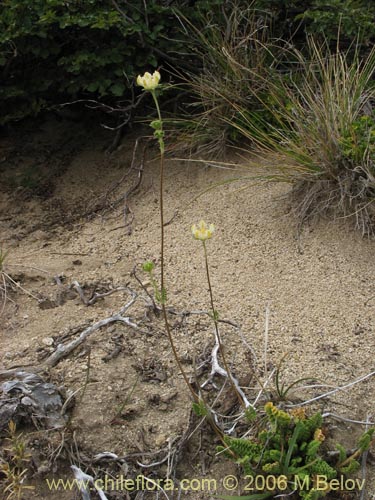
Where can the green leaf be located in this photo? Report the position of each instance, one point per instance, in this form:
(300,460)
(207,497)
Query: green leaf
(93,87)
(200,409)
(156,124)
(292,443)
(118,89)
(250,414)
(365,440)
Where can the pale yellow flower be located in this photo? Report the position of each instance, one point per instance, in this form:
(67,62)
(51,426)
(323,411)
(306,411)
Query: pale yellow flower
(148,81)
(202,231)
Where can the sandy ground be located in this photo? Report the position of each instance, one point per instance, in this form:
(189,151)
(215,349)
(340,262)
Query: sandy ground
(318,287)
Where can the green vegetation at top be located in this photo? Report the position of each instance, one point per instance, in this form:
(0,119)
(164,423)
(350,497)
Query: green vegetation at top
(334,20)
(248,71)
(54,51)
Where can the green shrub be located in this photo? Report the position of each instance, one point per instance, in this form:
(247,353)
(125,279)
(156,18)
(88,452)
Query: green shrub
(288,448)
(346,19)
(56,51)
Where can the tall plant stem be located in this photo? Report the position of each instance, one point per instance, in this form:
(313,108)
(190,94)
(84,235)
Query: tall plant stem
(217,334)
(162,280)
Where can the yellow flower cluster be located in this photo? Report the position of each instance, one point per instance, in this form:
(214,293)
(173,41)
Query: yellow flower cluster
(202,231)
(298,413)
(319,436)
(148,81)
(276,415)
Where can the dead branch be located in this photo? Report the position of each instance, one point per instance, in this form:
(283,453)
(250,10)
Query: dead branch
(83,480)
(124,113)
(96,296)
(333,391)
(132,189)
(153,304)
(63,351)
(216,369)
(106,108)
(140,170)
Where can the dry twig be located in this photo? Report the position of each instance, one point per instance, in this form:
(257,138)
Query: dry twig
(63,350)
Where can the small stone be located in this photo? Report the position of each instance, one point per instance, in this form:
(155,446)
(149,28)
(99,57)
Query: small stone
(48,341)
(44,467)
(160,440)
(47,304)
(63,295)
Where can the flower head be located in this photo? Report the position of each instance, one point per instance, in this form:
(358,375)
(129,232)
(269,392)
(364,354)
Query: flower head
(202,231)
(319,436)
(148,81)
